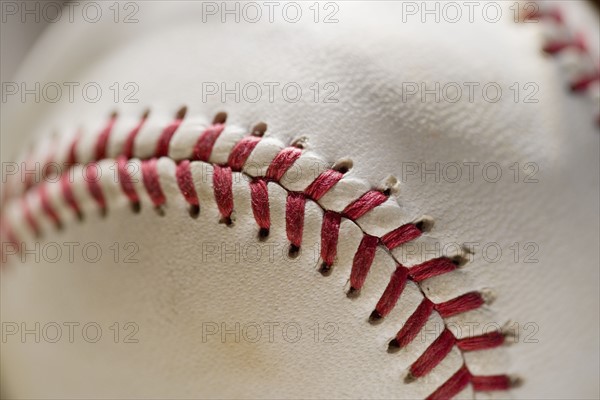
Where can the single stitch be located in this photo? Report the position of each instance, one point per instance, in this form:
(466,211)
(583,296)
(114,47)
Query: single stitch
(325,181)
(330,230)
(282,162)
(185,181)
(102,141)
(260,205)
(222,181)
(152,183)
(294,220)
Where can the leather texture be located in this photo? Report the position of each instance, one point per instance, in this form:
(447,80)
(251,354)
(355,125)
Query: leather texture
(195,272)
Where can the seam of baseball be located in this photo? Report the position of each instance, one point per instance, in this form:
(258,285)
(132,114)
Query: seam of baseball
(428,360)
(579,85)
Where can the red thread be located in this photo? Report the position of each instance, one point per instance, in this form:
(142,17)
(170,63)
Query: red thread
(364,204)
(152,182)
(431,268)
(435,353)
(363,258)
(72,156)
(185,181)
(241,151)
(392,292)
(294,218)
(584,82)
(481,342)
(282,162)
(206,142)
(414,324)
(29,218)
(222,182)
(466,302)
(126,181)
(93,184)
(491,383)
(554,14)
(129,142)
(325,181)
(68,195)
(102,140)
(556,46)
(453,386)
(47,207)
(401,235)
(259,194)
(162,147)
(330,230)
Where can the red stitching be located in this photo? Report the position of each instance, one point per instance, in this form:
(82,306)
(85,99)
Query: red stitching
(364,204)
(362,261)
(399,236)
(206,142)
(295,209)
(391,293)
(435,353)
(325,181)
(94,186)
(126,181)
(431,268)
(129,142)
(578,42)
(152,182)
(294,219)
(330,230)
(260,205)
(162,147)
(47,207)
(466,302)
(102,141)
(222,182)
(413,325)
(282,162)
(241,151)
(185,181)
(68,196)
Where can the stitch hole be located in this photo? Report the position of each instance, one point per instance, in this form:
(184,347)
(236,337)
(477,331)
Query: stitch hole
(343,166)
(263,234)
(325,269)
(300,142)
(160,211)
(459,260)
(389,186)
(409,378)
(375,318)
(103,212)
(146,113)
(227,221)
(135,207)
(79,216)
(515,381)
(181,112)
(393,346)
(194,211)
(294,251)
(353,293)
(259,129)
(220,118)
(425,224)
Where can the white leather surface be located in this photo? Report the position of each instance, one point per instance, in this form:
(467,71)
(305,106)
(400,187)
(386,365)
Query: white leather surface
(369,54)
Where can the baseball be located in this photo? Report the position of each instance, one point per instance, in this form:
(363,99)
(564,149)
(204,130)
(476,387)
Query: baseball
(336,199)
